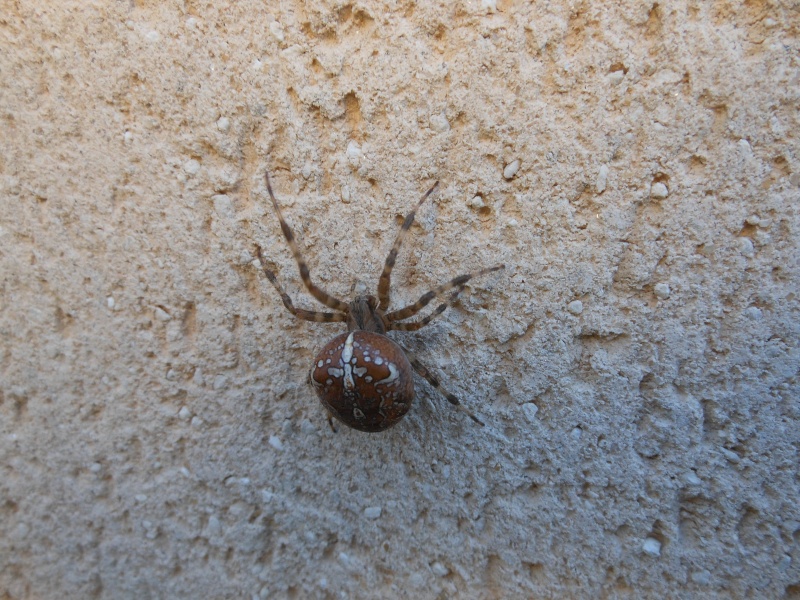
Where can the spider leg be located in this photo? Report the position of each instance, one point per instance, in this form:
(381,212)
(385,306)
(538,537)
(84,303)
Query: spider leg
(416,325)
(430,378)
(386,275)
(425,299)
(305,274)
(330,423)
(307,315)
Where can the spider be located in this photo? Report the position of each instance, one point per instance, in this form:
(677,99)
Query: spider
(362,377)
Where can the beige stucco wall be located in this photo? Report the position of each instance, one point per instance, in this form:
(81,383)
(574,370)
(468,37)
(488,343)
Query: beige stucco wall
(636,363)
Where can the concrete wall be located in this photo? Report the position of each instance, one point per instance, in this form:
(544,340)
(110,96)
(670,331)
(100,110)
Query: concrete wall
(636,364)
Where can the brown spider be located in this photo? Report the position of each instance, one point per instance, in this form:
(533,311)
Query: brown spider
(362,377)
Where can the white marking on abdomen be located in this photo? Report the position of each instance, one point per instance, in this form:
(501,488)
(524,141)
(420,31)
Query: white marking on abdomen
(347,351)
(347,354)
(394,374)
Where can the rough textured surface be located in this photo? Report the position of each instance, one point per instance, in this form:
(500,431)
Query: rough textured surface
(636,167)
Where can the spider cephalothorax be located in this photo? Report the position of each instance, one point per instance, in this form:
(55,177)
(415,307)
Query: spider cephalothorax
(362,377)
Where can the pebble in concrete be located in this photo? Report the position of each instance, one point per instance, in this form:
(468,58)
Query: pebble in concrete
(659,191)
(511,169)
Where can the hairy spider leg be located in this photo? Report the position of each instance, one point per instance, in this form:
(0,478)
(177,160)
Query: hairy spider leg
(386,276)
(426,298)
(430,378)
(416,325)
(318,293)
(307,315)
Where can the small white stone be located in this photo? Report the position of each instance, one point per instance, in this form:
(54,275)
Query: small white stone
(140,497)
(511,169)
(345,194)
(353,152)
(753,312)
(152,36)
(575,307)
(127,137)
(110,302)
(184,413)
(476,202)
(276,29)
(730,455)
(222,205)
(197,422)
(440,123)
(602,177)
(753,220)
(191,22)
(192,167)
(197,378)
(161,314)
(745,147)
(223,124)
(96,467)
(213,527)
(172,375)
(659,191)
(490,6)
(662,291)
(275,442)
(439,569)
(746,247)
(530,410)
(652,546)
(576,433)
(615,77)
(238,509)
(702,577)
(220,382)
(513,223)
(692,478)
(372,512)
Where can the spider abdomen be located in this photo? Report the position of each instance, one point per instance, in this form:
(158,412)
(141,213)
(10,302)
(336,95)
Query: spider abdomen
(364,379)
